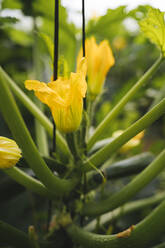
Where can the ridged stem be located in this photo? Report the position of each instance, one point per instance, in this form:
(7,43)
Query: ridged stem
(148,230)
(27,181)
(103,154)
(119,169)
(139,182)
(14,237)
(35,111)
(41,138)
(160,246)
(40,132)
(117,109)
(22,136)
(128,208)
(71,140)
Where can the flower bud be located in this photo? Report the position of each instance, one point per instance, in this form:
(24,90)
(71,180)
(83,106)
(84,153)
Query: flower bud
(135,141)
(9,153)
(99,60)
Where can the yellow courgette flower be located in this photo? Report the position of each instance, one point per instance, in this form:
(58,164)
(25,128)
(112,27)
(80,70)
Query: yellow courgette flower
(99,60)
(119,43)
(64,97)
(135,141)
(9,153)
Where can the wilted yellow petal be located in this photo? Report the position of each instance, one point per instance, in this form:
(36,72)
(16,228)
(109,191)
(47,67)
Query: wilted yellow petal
(9,153)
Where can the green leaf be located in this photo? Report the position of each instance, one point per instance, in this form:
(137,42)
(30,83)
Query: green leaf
(20,37)
(14,4)
(63,68)
(153,27)
(140,12)
(48,42)
(7,21)
(106,25)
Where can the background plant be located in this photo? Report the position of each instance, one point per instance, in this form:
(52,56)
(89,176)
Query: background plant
(130,50)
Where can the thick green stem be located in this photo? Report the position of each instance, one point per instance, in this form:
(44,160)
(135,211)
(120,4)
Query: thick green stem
(144,233)
(119,169)
(160,246)
(27,181)
(41,138)
(40,132)
(84,129)
(102,155)
(128,208)
(22,136)
(12,236)
(139,182)
(117,109)
(71,139)
(35,111)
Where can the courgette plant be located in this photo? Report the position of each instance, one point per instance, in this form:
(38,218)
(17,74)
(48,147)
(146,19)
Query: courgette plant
(76,164)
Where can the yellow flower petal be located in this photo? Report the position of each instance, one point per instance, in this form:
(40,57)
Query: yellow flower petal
(99,60)
(44,93)
(135,141)
(82,66)
(64,97)
(9,153)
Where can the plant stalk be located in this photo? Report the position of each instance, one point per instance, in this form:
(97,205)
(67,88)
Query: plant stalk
(117,109)
(126,193)
(119,169)
(27,181)
(40,132)
(14,237)
(126,209)
(35,111)
(22,136)
(144,233)
(103,154)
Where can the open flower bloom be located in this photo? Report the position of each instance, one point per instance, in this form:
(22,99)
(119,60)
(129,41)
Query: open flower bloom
(99,60)
(9,153)
(64,97)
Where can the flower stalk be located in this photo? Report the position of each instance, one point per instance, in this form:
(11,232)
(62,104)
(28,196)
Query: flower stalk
(72,143)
